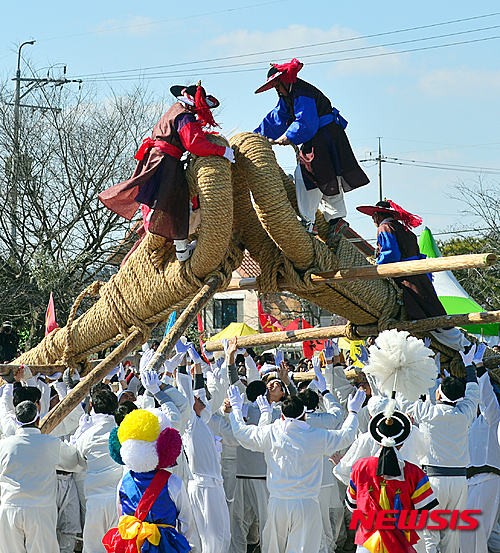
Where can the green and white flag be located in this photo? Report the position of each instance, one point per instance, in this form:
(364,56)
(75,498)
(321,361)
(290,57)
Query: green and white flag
(454,298)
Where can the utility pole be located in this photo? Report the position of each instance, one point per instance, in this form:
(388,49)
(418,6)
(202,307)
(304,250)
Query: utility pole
(380,159)
(16,150)
(380,197)
(16,161)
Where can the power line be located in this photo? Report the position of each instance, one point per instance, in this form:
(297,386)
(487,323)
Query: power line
(448,147)
(146,71)
(173,20)
(295,48)
(209,71)
(444,166)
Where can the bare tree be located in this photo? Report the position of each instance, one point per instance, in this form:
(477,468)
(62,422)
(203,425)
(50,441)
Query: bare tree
(482,200)
(55,235)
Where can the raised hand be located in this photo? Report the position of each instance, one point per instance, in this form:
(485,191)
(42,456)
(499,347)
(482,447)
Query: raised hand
(467,358)
(151,381)
(355,402)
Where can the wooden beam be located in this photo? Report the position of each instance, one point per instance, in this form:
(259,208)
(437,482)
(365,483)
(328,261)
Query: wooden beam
(423,325)
(42,369)
(188,315)
(388,270)
(76,395)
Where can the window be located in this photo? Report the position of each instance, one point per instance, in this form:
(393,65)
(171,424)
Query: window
(227,311)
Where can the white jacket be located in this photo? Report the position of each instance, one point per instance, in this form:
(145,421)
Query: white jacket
(294,457)
(103,474)
(28,462)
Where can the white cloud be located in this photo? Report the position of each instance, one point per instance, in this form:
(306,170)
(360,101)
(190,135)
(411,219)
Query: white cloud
(298,38)
(461,82)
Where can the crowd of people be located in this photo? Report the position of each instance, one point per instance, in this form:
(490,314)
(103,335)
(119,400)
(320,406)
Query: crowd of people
(230,455)
(238,453)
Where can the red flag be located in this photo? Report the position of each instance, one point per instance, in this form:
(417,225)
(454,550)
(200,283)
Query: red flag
(50,317)
(268,322)
(310,346)
(200,324)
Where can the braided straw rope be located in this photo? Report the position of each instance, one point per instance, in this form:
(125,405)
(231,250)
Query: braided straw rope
(152,283)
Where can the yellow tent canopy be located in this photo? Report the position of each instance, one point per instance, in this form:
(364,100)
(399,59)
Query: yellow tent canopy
(234,329)
(354,348)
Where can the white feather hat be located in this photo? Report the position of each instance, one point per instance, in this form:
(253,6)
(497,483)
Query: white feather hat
(401,363)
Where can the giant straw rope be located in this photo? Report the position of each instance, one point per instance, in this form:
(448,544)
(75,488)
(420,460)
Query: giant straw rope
(152,283)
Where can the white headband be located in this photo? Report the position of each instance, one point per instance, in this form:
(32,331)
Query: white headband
(444,398)
(19,423)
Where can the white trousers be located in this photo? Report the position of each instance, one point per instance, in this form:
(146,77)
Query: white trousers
(483,494)
(451,492)
(68,513)
(211,516)
(228,472)
(251,497)
(293,526)
(329,501)
(332,207)
(28,529)
(101,516)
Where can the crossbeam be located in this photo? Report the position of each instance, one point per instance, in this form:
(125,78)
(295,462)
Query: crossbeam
(327,332)
(388,270)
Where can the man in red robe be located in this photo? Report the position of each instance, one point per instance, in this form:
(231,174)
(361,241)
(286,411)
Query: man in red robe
(158,182)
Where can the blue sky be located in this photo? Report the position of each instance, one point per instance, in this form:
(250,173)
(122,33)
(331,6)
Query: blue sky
(432,106)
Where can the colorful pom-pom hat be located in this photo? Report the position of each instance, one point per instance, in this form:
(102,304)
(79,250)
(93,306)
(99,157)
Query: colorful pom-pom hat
(143,441)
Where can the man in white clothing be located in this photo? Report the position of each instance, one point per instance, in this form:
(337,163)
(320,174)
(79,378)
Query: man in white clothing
(28,462)
(203,450)
(294,454)
(103,474)
(483,471)
(446,426)
(331,419)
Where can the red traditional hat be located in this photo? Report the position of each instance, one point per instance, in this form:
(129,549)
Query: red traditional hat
(286,73)
(392,209)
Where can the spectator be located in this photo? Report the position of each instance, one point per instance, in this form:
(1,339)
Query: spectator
(9,341)
(28,511)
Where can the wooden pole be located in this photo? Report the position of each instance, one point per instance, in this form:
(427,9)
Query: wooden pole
(76,395)
(188,315)
(47,370)
(42,369)
(388,270)
(423,325)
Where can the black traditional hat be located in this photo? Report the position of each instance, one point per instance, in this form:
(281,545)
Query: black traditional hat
(389,429)
(187,94)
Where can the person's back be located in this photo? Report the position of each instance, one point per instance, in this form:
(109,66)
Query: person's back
(446,426)
(103,474)
(28,484)
(294,455)
(25,481)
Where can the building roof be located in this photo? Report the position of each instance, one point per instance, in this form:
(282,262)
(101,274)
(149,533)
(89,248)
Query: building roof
(249,268)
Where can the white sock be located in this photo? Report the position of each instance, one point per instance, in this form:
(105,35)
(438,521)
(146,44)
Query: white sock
(181,245)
